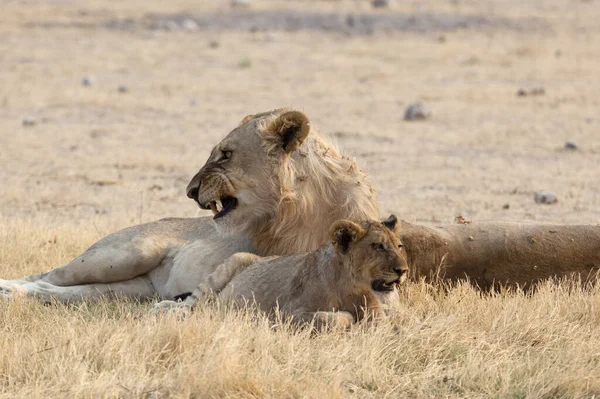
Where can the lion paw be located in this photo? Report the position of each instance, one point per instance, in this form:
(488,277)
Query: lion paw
(11,291)
(171,308)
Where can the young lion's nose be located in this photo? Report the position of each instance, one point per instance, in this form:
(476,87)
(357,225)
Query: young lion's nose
(400,272)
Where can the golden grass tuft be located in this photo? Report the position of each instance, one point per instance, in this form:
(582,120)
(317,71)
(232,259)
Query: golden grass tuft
(441,341)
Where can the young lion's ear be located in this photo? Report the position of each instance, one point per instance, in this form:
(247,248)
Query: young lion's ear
(344,232)
(291,127)
(390,222)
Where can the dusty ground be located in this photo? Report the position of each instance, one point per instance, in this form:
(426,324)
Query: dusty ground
(91,158)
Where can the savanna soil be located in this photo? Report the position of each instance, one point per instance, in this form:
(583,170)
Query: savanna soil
(167,80)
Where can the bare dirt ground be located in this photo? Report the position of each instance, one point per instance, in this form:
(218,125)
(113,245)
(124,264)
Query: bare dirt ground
(167,80)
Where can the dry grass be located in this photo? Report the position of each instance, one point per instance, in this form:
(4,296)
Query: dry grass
(454,343)
(98,160)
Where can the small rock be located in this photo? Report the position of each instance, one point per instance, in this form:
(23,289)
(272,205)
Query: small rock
(87,81)
(416,112)
(545,197)
(214,44)
(532,91)
(381,3)
(29,121)
(461,220)
(571,145)
(192,101)
(122,89)
(96,134)
(189,24)
(506,206)
(240,3)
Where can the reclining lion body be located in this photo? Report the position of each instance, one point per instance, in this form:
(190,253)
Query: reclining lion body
(493,254)
(334,285)
(281,184)
(289,184)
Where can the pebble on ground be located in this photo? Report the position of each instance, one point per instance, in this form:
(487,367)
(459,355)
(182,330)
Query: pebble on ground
(417,112)
(545,197)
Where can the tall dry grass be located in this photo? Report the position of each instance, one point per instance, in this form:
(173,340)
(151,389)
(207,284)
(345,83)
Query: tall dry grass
(453,342)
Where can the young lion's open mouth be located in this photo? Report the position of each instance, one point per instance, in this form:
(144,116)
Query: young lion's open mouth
(383,286)
(222,206)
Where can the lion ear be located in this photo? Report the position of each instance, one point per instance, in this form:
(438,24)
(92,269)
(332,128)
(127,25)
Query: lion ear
(291,128)
(390,222)
(246,119)
(344,232)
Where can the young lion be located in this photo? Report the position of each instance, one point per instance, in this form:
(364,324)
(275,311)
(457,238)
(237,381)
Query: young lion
(332,286)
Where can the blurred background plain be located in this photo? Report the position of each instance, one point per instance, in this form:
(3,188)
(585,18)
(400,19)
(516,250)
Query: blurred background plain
(107,108)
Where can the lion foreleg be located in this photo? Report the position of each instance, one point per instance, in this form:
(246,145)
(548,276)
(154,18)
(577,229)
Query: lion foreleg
(23,280)
(214,283)
(227,270)
(372,308)
(138,287)
(112,260)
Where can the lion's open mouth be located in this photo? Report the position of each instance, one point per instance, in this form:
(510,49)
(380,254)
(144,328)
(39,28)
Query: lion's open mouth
(383,286)
(221,207)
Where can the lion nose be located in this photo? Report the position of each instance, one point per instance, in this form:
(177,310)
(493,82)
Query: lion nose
(193,188)
(192,192)
(401,272)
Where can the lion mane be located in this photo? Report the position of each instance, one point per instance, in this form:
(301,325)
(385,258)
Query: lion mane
(309,184)
(317,180)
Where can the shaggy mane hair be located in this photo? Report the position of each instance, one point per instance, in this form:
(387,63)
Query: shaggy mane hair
(318,186)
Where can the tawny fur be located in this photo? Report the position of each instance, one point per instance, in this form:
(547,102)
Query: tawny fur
(500,254)
(291,185)
(313,186)
(332,286)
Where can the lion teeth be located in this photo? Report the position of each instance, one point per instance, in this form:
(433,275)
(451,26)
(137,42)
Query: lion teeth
(219,205)
(213,207)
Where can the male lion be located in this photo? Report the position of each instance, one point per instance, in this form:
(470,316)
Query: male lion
(274,184)
(339,283)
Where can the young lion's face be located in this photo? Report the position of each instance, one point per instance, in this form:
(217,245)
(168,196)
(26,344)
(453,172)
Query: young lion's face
(240,180)
(374,253)
(380,259)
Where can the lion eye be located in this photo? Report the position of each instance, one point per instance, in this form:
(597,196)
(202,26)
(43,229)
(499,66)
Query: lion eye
(400,245)
(225,155)
(378,246)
